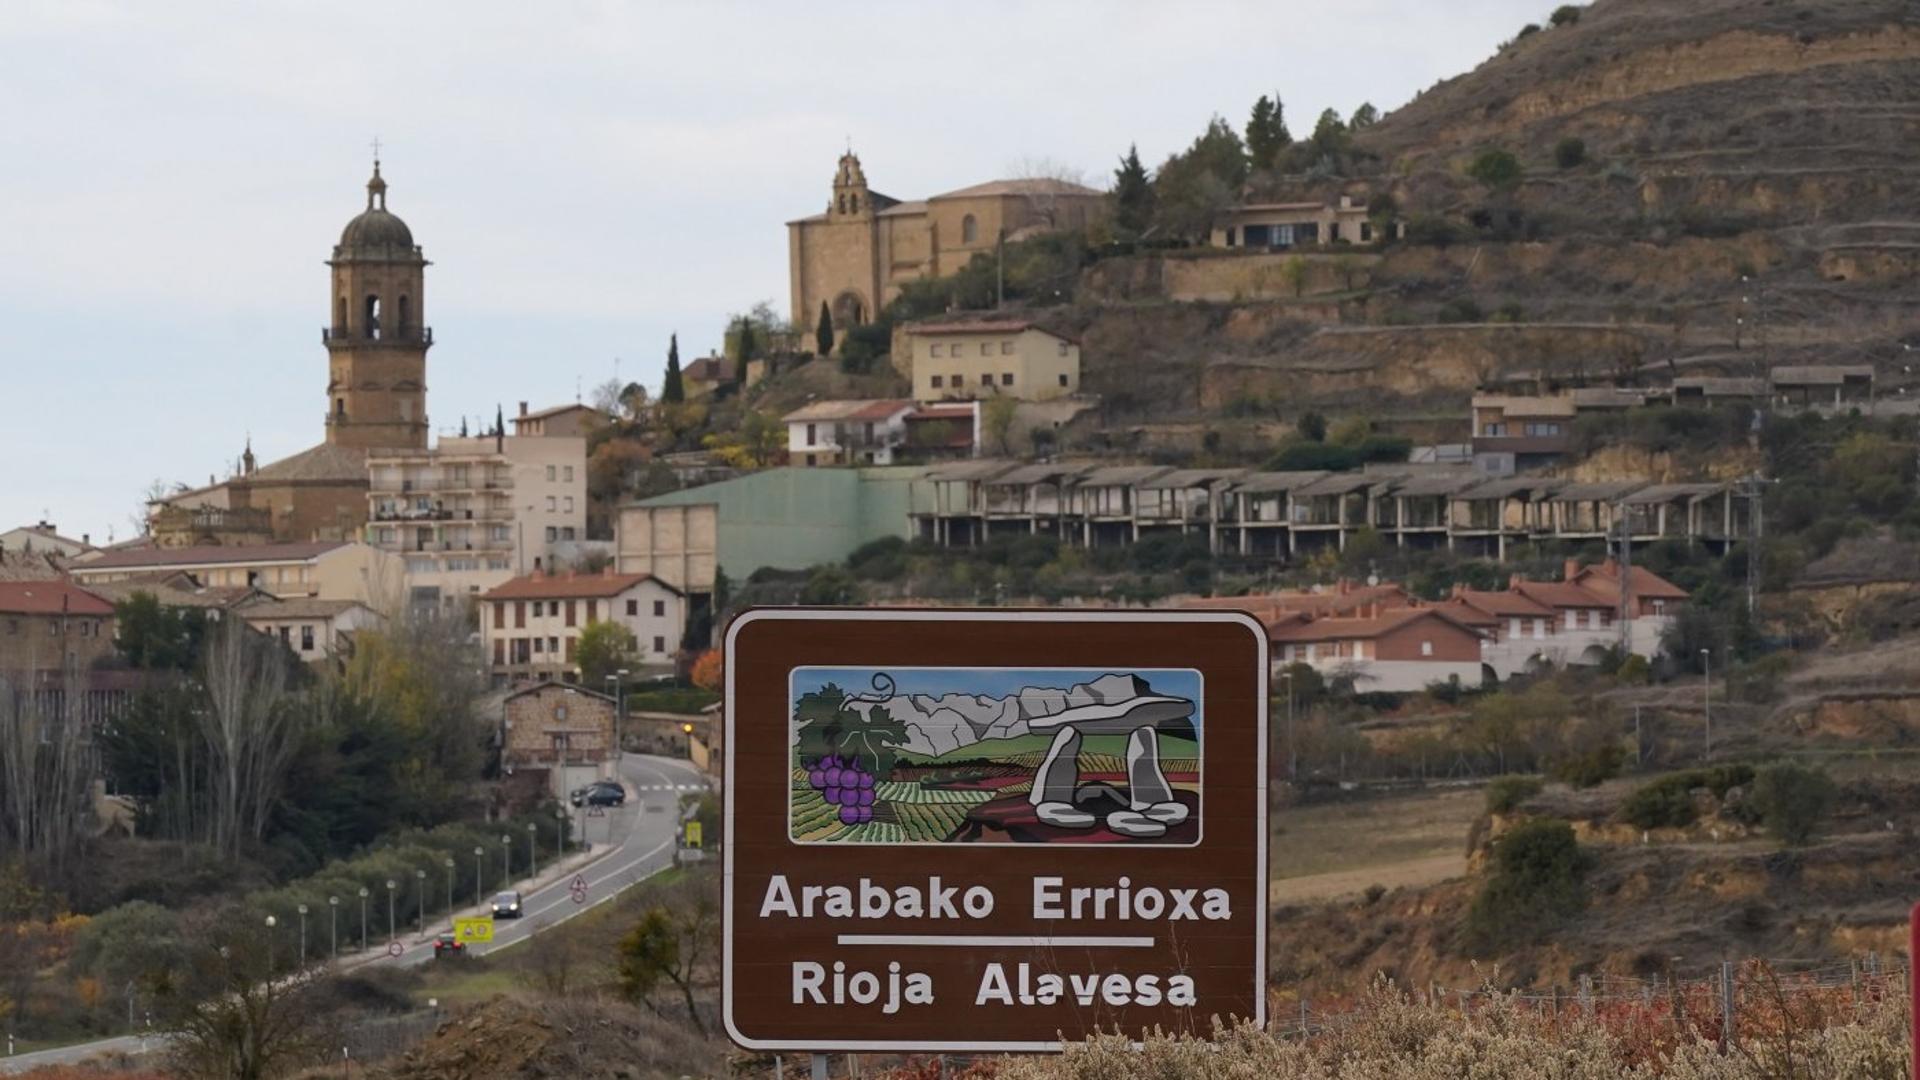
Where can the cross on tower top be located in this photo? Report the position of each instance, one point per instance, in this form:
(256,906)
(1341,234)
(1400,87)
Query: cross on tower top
(376,150)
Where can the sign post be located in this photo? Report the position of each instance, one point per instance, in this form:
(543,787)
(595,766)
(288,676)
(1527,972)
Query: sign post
(992,830)
(473,931)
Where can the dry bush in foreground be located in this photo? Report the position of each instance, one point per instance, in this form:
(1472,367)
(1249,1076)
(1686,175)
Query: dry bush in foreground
(1393,1037)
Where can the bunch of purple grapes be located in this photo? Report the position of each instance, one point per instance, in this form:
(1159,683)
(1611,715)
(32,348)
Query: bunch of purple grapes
(844,783)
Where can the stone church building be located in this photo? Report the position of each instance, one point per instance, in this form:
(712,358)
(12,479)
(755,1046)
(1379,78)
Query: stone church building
(376,399)
(855,256)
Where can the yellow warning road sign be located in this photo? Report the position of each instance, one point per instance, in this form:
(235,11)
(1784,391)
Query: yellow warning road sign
(473,931)
(692,832)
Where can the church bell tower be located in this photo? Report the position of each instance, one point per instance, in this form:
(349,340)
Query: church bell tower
(377,340)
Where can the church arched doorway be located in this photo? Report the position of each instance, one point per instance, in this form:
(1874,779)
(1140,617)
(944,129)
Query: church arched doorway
(849,309)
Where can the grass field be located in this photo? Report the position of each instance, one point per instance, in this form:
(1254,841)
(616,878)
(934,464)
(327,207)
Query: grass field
(1397,838)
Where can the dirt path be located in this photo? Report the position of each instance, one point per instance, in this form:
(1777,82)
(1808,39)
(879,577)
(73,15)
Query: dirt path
(1319,888)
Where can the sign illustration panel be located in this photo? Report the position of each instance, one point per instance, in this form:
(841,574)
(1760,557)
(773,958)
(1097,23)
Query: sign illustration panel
(985,829)
(995,755)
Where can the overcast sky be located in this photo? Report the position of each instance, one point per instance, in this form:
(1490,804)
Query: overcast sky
(585,177)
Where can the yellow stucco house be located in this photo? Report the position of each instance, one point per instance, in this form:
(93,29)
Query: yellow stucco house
(1009,357)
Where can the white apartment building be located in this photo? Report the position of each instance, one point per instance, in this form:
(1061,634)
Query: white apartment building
(846,432)
(472,512)
(532,624)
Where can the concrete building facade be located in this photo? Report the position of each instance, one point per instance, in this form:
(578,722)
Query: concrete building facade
(316,631)
(1018,358)
(325,570)
(52,626)
(475,511)
(846,432)
(532,624)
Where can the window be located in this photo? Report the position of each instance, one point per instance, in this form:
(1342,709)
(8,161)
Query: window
(499,651)
(659,644)
(519,614)
(404,312)
(373,317)
(1366,231)
(1659,607)
(306,639)
(1573,619)
(1006,378)
(553,533)
(550,473)
(566,532)
(659,609)
(573,614)
(539,646)
(938,381)
(1426,648)
(986,348)
(1333,232)
(553,504)
(1539,628)
(1006,348)
(1063,378)
(553,644)
(813,435)
(567,474)
(567,504)
(933,350)
(958,380)
(969,230)
(499,616)
(986,378)
(1062,347)
(633,607)
(286,636)
(1543,429)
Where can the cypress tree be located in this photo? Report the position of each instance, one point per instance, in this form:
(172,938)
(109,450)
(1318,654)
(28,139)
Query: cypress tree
(1267,133)
(823,331)
(672,390)
(1132,195)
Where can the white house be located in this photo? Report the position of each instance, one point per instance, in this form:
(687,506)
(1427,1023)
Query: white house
(847,432)
(532,624)
(312,629)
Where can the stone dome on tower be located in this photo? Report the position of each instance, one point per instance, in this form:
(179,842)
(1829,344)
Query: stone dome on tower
(376,232)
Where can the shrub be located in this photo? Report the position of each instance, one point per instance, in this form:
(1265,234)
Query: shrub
(1312,426)
(1668,801)
(1565,15)
(1506,793)
(1792,800)
(1497,169)
(1527,31)
(1461,310)
(1432,229)
(1570,152)
(1591,767)
(1535,882)
(1634,669)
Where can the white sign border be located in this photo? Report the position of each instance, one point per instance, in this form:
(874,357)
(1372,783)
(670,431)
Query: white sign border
(1168,615)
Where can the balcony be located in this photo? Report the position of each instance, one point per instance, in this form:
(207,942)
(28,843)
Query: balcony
(415,336)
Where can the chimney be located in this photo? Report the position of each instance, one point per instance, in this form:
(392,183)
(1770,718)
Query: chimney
(1611,567)
(87,539)
(538,574)
(1459,589)
(523,408)
(1570,570)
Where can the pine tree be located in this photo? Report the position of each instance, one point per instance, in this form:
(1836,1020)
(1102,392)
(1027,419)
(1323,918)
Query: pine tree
(1132,195)
(672,390)
(823,331)
(1267,133)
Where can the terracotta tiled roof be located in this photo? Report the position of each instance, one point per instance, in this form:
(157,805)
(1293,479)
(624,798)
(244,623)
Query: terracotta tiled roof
(1347,629)
(569,586)
(984,326)
(1561,595)
(1605,579)
(320,464)
(198,556)
(857,411)
(1039,185)
(709,369)
(175,589)
(301,607)
(50,598)
(1504,603)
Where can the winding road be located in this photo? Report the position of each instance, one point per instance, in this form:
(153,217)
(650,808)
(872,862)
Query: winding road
(643,833)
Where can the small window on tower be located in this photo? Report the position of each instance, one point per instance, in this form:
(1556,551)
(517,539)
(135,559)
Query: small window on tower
(404,314)
(373,317)
(969,230)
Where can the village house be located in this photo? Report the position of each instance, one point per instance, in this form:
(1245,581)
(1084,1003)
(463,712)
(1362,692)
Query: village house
(702,377)
(1822,385)
(316,631)
(52,626)
(572,418)
(551,725)
(847,432)
(532,624)
(42,538)
(1283,225)
(1395,650)
(954,360)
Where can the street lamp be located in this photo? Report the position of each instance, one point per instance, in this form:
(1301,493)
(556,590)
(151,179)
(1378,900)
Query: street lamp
(271,921)
(333,924)
(1706,694)
(559,831)
(391,885)
(420,899)
(506,861)
(363,918)
(479,874)
(687,730)
(619,722)
(303,935)
(448,863)
(533,854)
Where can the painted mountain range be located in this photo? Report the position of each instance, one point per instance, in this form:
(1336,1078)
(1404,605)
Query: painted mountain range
(941,725)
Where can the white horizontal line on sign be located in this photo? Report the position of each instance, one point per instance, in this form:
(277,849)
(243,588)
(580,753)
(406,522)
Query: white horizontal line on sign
(1035,942)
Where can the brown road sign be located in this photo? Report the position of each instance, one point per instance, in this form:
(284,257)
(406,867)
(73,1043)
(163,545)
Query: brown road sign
(986,829)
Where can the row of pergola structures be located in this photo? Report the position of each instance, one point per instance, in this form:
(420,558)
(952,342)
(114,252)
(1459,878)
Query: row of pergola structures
(1281,514)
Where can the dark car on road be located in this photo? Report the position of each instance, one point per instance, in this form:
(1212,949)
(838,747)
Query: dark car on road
(600,793)
(448,945)
(506,905)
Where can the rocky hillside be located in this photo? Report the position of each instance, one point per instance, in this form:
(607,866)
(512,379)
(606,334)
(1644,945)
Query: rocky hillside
(1745,196)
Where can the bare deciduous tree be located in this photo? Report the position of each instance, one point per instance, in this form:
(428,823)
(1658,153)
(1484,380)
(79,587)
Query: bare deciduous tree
(46,760)
(251,731)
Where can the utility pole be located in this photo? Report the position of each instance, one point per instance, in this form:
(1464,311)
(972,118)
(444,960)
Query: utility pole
(1706,694)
